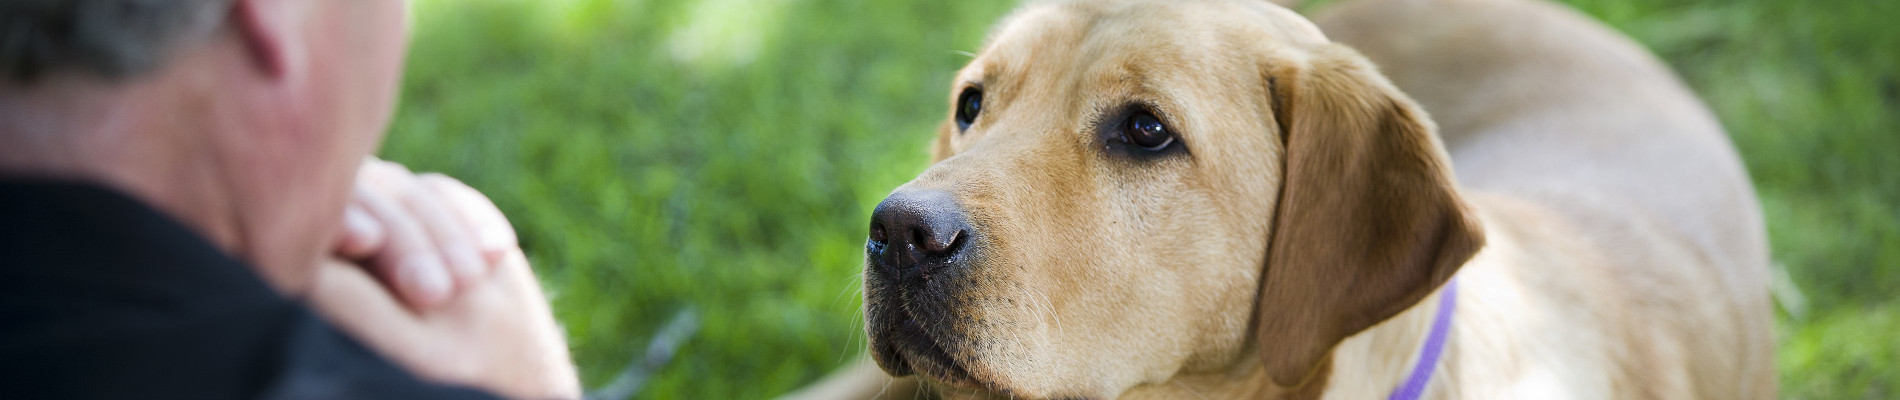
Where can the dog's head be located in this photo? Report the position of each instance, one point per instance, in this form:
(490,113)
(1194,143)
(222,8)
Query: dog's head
(1127,191)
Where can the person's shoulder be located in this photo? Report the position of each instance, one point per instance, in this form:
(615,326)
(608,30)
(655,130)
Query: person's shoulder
(76,241)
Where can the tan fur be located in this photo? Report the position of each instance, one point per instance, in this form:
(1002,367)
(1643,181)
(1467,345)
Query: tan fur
(1294,249)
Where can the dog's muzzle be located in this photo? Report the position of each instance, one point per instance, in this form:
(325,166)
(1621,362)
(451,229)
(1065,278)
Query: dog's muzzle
(918,253)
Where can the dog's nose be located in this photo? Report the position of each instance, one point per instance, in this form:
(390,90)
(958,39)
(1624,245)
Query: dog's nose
(917,232)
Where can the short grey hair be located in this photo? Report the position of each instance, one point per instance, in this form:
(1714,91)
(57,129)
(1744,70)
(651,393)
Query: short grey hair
(113,39)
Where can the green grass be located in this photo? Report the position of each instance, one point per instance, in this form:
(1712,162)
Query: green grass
(724,155)
(1810,91)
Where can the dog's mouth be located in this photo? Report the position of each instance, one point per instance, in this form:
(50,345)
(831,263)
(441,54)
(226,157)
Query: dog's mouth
(907,348)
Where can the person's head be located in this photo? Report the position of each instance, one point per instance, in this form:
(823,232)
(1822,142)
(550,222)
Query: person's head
(246,119)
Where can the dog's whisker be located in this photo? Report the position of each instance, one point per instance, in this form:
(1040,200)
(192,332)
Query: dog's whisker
(1042,311)
(1018,333)
(854,282)
(1051,306)
(862,338)
(964,53)
(1032,305)
(840,297)
(850,342)
(854,285)
(887,387)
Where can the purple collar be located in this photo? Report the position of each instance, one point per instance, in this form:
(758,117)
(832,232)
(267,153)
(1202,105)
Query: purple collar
(1414,385)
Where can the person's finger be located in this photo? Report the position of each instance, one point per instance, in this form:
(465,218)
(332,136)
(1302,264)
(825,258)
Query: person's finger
(408,261)
(362,235)
(383,176)
(349,297)
(514,291)
(492,232)
(451,235)
(352,300)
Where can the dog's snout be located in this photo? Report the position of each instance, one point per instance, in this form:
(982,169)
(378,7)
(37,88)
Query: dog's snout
(917,231)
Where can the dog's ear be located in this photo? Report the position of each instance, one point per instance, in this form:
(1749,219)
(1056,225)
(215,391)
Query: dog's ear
(1368,222)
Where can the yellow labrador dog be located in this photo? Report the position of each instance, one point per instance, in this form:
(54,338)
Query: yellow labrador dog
(1186,199)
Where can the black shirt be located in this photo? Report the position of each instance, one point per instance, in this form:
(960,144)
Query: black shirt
(102,297)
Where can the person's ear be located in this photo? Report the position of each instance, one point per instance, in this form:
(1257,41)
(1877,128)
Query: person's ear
(267,28)
(1369,221)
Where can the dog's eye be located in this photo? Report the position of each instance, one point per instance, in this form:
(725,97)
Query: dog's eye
(969,104)
(1145,131)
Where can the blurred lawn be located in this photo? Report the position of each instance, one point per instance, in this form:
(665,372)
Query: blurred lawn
(725,154)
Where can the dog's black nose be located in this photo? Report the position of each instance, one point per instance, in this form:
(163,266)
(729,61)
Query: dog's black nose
(917,232)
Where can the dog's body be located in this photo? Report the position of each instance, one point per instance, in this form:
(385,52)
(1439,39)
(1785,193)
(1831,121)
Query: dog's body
(1627,257)
(1293,243)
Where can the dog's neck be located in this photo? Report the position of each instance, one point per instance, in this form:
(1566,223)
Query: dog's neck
(1365,366)
(1371,364)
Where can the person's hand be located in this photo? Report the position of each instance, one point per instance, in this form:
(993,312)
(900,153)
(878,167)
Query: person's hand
(422,235)
(490,328)
(497,334)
